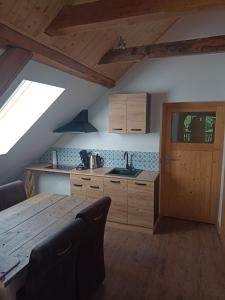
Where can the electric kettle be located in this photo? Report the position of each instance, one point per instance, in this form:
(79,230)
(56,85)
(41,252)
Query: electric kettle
(93,161)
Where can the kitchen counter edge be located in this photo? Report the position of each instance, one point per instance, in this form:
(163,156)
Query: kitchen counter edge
(143,176)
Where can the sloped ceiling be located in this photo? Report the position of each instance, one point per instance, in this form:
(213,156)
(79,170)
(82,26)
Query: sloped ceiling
(32,17)
(79,94)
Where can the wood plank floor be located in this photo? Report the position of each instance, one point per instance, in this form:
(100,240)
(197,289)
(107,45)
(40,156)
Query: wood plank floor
(183,261)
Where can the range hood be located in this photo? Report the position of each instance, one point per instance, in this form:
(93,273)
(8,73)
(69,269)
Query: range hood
(78,124)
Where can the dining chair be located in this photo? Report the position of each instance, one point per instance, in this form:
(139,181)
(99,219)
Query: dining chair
(91,266)
(52,266)
(12,194)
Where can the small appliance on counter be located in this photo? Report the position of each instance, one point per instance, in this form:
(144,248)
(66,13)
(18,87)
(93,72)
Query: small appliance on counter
(100,161)
(85,160)
(90,160)
(54,158)
(95,161)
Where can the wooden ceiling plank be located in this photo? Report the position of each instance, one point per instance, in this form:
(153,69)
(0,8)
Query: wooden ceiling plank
(215,44)
(11,37)
(100,14)
(12,61)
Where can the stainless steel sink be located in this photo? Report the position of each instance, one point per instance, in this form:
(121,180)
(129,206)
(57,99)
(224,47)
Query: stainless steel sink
(124,172)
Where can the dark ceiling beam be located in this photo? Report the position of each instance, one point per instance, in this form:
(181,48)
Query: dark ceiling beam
(207,45)
(10,37)
(12,61)
(104,13)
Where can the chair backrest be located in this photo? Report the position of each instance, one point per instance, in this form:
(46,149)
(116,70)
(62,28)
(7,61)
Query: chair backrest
(52,265)
(11,194)
(91,267)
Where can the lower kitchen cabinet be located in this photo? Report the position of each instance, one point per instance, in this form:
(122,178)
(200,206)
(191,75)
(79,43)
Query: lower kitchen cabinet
(116,189)
(140,208)
(86,187)
(134,202)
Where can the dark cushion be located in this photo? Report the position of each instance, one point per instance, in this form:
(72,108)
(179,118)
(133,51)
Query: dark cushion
(91,266)
(11,194)
(52,265)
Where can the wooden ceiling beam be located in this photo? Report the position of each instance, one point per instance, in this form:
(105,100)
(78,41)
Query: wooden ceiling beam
(10,37)
(12,61)
(207,45)
(103,13)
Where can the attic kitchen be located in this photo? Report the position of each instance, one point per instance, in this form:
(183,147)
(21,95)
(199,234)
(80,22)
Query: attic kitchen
(112,156)
(123,176)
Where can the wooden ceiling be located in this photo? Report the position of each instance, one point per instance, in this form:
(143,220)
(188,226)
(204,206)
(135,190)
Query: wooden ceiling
(87,47)
(32,17)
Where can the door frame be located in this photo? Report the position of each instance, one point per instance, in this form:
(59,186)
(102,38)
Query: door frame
(217,154)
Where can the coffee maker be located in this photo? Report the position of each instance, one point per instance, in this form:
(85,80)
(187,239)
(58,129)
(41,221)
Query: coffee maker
(84,159)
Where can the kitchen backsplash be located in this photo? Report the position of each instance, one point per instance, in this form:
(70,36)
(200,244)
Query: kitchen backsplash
(112,158)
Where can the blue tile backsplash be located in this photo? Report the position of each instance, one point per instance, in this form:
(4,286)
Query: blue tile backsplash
(112,158)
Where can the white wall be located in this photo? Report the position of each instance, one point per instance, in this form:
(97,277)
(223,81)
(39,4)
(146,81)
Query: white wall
(79,94)
(190,78)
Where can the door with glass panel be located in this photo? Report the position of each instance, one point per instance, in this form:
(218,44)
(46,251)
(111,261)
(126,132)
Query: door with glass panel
(191,158)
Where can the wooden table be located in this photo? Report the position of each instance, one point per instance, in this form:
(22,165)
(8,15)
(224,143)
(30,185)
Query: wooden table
(23,226)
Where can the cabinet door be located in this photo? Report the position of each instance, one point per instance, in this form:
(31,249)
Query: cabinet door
(137,113)
(94,188)
(141,203)
(116,189)
(77,187)
(117,113)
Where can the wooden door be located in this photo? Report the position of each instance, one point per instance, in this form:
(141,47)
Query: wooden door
(191,158)
(117,113)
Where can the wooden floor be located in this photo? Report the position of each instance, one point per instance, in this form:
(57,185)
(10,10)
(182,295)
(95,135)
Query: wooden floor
(183,261)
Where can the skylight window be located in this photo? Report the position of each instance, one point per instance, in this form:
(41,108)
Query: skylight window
(23,108)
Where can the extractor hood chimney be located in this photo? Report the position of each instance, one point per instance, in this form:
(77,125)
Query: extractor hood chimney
(79,124)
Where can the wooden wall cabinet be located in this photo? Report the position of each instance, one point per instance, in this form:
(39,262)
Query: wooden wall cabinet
(129,113)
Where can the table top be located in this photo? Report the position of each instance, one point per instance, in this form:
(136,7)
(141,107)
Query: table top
(26,224)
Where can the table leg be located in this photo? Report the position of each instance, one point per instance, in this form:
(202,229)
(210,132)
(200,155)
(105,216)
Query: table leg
(30,183)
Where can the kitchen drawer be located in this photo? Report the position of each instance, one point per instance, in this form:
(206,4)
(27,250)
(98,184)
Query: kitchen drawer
(115,183)
(87,180)
(138,185)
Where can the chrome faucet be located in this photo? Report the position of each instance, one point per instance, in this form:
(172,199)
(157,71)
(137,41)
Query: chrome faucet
(126,156)
(131,161)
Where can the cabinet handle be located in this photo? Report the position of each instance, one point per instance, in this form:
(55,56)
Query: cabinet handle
(84,178)
(136,129)
(94,187)
(138,183)
(117,129)
(78,185)
(114,181)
